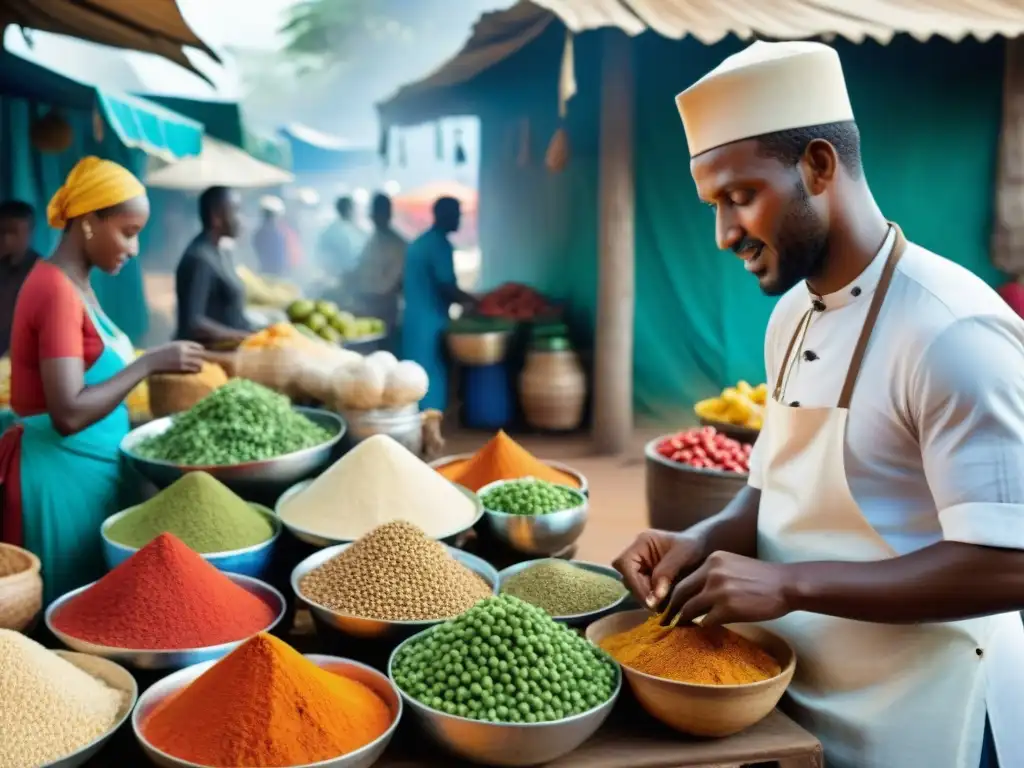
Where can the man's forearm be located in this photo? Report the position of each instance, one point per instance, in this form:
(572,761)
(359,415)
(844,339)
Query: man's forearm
(734,529)
(944,582)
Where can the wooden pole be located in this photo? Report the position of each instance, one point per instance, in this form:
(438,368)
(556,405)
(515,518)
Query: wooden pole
(613,363)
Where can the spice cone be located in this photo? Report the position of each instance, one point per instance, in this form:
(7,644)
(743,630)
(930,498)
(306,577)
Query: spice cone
(265,704)
(502,459)
(164,597)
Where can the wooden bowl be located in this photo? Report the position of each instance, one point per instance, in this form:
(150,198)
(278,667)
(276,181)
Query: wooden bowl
(21,588)
(704,710)
(680,496)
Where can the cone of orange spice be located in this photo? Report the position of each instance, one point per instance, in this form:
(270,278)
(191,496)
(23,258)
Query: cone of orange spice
(265,704)
(502,459)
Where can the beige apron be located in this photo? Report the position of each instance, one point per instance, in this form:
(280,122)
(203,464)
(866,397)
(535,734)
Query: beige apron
(876,695)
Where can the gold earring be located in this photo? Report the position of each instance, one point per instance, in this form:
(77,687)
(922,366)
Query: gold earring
(87,230)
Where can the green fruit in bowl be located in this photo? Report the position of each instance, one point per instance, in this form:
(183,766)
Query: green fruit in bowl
(300,310)
(329,334)
(327,308)
(316,321)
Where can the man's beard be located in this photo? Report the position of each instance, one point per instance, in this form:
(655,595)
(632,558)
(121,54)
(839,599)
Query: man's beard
(803,245)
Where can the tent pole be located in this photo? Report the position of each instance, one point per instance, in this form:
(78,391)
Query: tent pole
(613,363)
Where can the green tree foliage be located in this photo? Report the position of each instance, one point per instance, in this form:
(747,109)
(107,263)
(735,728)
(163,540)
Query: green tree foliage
(333,32)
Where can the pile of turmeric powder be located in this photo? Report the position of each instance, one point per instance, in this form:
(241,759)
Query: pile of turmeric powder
(691,654)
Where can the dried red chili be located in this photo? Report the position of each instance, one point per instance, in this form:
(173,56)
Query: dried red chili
(164,597)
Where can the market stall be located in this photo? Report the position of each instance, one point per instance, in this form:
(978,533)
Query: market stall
(423,595)
(518,364)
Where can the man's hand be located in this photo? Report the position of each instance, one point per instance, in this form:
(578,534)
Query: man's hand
(731,588)
(655,561)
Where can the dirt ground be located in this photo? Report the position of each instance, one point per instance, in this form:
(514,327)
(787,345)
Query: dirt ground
(618,510)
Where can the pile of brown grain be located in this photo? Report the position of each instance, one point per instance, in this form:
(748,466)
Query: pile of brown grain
(395,573)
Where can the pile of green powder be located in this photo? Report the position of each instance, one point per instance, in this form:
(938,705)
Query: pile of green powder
(563,589)
(199,510)
(238,423)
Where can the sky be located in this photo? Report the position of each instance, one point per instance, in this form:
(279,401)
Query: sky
(237,22)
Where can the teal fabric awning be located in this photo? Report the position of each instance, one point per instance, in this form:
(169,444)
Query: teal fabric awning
(145,125)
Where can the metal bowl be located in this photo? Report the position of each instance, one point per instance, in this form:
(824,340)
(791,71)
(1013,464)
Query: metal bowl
(116,677)
(357,626)
(166,659)
(575,619)
(537,534)
(249,561)
(505,744)
(321,540)
(486,348)
(361,758)
(704,710)
(579,477)
(255,477)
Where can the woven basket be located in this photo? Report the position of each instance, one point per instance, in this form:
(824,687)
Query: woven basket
(679,496)
(21,590)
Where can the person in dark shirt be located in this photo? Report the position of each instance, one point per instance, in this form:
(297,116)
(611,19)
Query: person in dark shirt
(211,297)
(17,225)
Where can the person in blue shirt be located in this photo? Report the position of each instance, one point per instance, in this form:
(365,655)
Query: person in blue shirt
(430,289)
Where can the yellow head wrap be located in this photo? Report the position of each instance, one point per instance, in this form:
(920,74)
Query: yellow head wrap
(92,185)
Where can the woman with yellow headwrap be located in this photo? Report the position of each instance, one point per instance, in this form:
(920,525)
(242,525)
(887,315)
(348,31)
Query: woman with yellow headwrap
(71,370)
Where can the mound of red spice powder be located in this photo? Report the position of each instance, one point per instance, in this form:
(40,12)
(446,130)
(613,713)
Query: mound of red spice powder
(265,704)
(164,597)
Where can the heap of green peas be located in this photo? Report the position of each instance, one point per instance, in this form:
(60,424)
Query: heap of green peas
(239,422)
(531,497)
(505,661)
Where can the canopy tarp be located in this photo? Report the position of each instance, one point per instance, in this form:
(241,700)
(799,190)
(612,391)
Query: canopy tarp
(137,122)
(499,35)
(316,153)
(219,164)
(153,26)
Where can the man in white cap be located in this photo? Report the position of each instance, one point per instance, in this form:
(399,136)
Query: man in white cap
(882,529)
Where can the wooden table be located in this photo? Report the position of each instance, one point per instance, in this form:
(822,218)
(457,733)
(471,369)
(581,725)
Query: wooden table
(629,739)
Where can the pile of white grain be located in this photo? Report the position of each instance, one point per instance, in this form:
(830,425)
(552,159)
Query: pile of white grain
(379,481)
(49,708)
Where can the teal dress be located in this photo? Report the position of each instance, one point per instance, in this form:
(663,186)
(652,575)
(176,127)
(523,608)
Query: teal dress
(429,268)
(70,485)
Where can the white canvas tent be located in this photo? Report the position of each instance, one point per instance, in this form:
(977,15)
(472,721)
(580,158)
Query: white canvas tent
(219,164)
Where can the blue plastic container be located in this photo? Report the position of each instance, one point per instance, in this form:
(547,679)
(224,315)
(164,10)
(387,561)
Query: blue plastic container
(251,561)
(487,397)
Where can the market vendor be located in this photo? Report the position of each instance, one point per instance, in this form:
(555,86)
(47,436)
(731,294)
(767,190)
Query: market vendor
(430,289)
(211,296)
(882,527)
(71,370)
(377,279)
(17,224)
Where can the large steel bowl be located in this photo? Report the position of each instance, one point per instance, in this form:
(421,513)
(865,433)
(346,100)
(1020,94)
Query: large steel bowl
(250,478)
(357,626)
(579,477)
(116,677)
(486,348)
(322,540)
(361,758)
(575,619)
(248,561)
(537,534)
(162,658)
(704,710)
(504,744)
